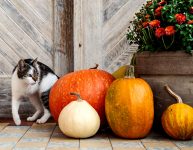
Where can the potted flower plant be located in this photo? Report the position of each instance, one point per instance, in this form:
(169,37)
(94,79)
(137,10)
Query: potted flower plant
(163,25)
(163,29)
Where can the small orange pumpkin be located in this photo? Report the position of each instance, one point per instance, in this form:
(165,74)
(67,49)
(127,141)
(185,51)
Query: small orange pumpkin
(129,106)
(177,119)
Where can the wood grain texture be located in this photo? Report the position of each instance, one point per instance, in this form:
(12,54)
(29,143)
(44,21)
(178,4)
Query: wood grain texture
(116,49)
(26,11)
(119,48)
(63,37)
(100,31)
(87,33)
(25,25)
(155,63)
(116,28)
(5,96)
(31,47)
(43,8)
(111,7)
(13,43)
(21,36)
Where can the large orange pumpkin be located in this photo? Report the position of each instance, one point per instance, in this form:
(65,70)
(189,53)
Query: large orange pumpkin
(177,119)
(92,84)
(129,106)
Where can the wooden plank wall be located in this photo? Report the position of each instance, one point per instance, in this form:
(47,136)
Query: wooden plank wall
(100,33)
(63,36)
(116,18)
(26,31)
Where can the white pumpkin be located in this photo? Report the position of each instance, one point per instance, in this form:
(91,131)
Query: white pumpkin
(79,119)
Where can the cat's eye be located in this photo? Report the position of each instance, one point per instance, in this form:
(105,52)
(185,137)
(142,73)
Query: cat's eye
(29,75)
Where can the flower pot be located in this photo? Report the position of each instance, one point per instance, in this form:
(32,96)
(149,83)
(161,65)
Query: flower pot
(172,68)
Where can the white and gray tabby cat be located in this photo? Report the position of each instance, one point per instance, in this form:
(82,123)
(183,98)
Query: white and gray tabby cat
(32,79)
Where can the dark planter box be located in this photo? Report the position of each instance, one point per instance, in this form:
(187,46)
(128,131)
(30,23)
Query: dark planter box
(172,68)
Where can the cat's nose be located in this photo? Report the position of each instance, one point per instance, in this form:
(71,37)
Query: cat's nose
(35,78)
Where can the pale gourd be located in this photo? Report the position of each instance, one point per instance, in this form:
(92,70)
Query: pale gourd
(79,119)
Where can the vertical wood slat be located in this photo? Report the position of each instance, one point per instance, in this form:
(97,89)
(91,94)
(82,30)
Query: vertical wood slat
(87,33)
(63,36)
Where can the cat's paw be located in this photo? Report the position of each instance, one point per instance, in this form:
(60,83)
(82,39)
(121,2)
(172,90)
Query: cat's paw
(17,122)
(31,119)
(40,121)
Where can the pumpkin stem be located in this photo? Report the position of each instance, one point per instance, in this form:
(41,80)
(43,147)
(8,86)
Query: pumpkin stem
(95,66)
(177,97)
(76,94)
(130,72)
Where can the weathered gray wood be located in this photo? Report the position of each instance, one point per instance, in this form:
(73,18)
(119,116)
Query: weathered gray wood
(13,43)
(9,58)
(120,48)
(116,28)
(154,63)
(26,11)
(25,25)
(44,9)
(30,46)
(111,7)
(63,36)
(87,33)
(100,29)
(5,96)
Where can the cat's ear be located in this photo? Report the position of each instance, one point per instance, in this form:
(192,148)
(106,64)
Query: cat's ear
(35,61)
(21,64)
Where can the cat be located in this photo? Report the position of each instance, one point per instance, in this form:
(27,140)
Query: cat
(32,79)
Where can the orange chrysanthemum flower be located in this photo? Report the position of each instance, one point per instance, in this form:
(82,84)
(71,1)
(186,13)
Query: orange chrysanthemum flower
(190,22)
(158,11)
(159,32)
(149,4)
(147,16)
(145,24)
(154,24)
(180,18)
(170,30)
(163,2)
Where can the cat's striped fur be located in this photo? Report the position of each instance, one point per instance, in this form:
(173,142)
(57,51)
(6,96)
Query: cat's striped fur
(33,80)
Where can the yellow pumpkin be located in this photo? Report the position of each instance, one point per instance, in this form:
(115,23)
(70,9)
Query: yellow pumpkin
(120,72)
(177,119)
(129,106)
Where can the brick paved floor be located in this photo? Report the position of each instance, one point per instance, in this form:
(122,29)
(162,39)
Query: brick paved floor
(49,137)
